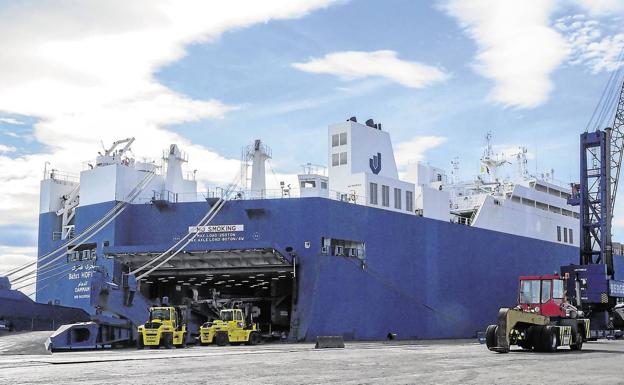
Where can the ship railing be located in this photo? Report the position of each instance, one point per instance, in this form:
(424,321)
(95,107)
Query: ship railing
(62,176)
(246,194)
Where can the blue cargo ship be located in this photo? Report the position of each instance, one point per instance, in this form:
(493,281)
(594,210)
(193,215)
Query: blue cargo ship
(353,250)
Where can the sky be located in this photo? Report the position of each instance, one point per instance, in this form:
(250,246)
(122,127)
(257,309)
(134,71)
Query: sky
(214,76)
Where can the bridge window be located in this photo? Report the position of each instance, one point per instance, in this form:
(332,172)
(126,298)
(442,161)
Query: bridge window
(335,140)
(335,159)
(528,202)
(324,185)
(385,195)
(409,201)
(343,158)
(373,193)
(308,184)
(343,138)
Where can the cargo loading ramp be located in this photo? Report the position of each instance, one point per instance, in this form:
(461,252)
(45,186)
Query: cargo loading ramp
(260,278)
(205,262)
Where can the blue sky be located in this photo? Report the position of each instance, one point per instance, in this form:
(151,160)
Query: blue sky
(438,75)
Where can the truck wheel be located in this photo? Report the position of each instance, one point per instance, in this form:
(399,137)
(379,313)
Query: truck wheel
(578,344)
(490,336)
(139,343)
(527,342)
(254,338)
(221,339)
(550,339)
(537,338)
(167,340)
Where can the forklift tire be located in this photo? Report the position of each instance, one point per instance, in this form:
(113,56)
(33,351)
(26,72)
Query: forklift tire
(167,340)
(139,343)
(254,338)
(550,339)
(221,339)
(578,344)
(490,336)
(183,343)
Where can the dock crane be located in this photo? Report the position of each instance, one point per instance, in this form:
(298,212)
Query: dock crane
(585,301)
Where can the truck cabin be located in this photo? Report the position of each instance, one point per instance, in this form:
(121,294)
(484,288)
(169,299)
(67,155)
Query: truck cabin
(231,315)
(542,294)
(163,314)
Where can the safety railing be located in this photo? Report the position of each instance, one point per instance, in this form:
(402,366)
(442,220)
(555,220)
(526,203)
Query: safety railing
(245,194)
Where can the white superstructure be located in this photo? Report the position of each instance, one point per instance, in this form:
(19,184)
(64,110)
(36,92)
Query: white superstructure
(526,205)
(112,177)
(361,170)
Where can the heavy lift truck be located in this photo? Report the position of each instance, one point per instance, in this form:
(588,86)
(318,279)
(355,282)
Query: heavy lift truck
(583,302)
(166,327)
(230,328)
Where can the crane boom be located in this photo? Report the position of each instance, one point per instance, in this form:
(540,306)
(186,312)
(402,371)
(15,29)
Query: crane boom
(617,146)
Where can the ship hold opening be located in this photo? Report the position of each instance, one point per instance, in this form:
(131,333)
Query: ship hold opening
(261,282)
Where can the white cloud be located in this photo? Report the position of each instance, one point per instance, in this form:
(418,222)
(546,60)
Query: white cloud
(11,121)
(357,64)
(414,149)
(4,148)
(14,256)
(10,133)
(601,7)
(85,71)
(589,46)
(517,48)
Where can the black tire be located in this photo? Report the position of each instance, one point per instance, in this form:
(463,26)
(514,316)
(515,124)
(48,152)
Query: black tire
(254,338)
(550,339)
(140,344)
(167,340)
(527,343)
(578,342)
(221,339)
(537,338)
(490,336)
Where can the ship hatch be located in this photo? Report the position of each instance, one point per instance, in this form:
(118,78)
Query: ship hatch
(261,281)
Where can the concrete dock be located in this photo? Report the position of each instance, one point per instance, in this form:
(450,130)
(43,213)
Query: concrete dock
(413,362)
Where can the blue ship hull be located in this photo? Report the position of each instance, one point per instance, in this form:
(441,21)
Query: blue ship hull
(421,278)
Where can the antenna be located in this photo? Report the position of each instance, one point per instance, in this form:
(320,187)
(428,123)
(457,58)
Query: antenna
(455,171)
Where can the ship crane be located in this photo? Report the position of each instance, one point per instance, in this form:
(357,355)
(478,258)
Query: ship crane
(601,163)
(111,155)
(584,302)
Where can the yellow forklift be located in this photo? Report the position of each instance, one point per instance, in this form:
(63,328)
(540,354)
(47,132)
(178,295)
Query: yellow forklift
(230,328)
(166,327)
